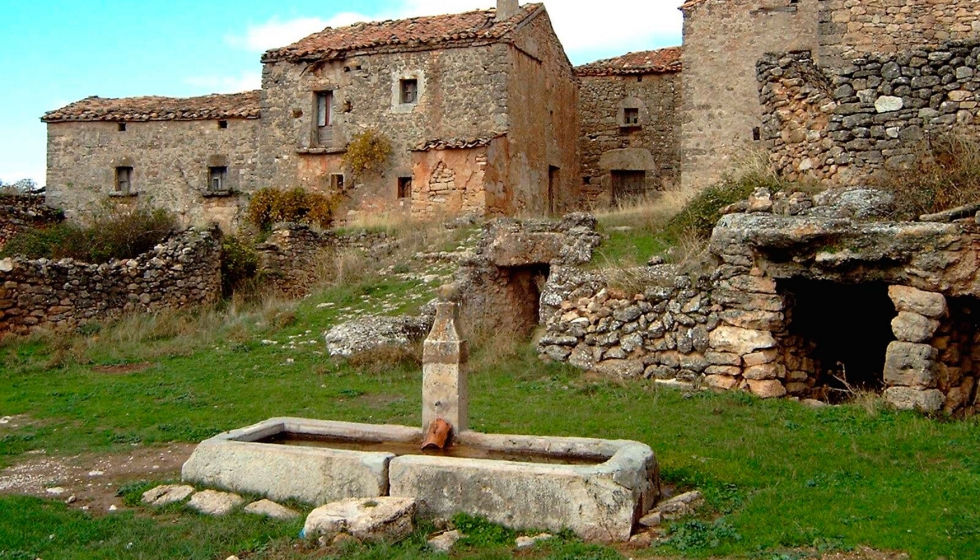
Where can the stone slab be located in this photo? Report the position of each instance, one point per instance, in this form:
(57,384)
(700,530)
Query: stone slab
(368,520)
(166,495)
(212,502)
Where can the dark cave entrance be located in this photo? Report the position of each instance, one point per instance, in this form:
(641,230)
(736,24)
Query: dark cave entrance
(520,309)
(842,332)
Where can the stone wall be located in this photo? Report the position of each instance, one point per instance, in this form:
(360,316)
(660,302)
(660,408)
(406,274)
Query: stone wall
(182,272)
(456,183)
(170,161)
(19,213)
(842,127)
(606,145)
(723,40)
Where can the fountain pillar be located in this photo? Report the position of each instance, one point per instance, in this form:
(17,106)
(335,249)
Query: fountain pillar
(444,356)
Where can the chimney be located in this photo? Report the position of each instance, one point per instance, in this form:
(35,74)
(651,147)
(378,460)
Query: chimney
(507,9)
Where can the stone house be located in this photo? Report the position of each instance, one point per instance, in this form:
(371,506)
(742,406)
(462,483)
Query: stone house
(479,109)
(630,134)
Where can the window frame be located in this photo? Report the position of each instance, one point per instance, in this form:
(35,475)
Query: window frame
(629,122)
(323,102)
(403,89)
(123,176)
(219,172)
(405,188)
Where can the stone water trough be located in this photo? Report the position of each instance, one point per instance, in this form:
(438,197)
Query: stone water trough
(597,488)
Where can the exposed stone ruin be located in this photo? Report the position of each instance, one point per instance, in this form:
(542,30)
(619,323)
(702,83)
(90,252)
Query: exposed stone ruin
(19,213)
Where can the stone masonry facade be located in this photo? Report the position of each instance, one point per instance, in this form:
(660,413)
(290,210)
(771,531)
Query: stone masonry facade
(182,272)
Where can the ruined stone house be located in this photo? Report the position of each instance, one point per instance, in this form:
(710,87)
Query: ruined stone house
(479,108)
(630,136)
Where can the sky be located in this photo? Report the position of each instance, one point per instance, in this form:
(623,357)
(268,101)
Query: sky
(54,52)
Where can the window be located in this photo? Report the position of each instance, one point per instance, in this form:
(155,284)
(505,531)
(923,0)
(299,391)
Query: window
(218,179)
(410,91)
(324,109)
(337,181)
(404,187)
(124,180)
(122,127)
(757,134)
(222,124)
(631,117)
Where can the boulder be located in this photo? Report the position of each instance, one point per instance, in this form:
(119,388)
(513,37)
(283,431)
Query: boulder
(368,333)
(369,520)
(211,502)
(445,542)
(622,369)
(529,542)
(912,327)
(740,341)
(910,365)
(910,398)
(271,509)
(767,389)
(675,508)
(166,495)
(912,300)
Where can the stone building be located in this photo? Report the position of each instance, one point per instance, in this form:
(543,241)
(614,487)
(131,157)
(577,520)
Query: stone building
(479,108)
(630,135)
(723,114)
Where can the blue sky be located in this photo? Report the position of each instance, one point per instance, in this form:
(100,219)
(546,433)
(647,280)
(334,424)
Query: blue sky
(53,52)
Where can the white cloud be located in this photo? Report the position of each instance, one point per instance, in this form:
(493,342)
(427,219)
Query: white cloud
(587,28)
(226,84)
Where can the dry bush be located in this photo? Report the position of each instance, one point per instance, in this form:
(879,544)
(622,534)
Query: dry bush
(271,206)
(944,174)
(490,347)
(367,152)
(653,212)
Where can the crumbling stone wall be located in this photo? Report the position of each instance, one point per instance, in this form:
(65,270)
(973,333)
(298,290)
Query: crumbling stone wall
(19,213)
(842,127)
(607,145)
(455,186)
(170,161)
(184,271)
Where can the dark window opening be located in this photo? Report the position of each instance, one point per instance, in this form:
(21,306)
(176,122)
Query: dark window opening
(324,117)
(631,117)
(122,127)
(222,124)
(348,106)
(409,91)
(587,180)
(337,181)
(217,179)
(628,185)
(404,187)
(639,78)
(124,180)
(346,68)
(844,329)
(757,134)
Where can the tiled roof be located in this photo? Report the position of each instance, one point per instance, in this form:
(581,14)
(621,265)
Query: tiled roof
(692,3)
(455,143)
(137,109)
(420,33)
(647,62)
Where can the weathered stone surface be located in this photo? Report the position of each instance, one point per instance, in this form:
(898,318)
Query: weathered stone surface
(910,398)
(679,506)
(621,369)
(910,365)
(912,327)
(166,495)
(888,104)
(765,371)
(769,389)
(912,300)
(268,508)
(529,542)
(380,519)
(740,341)
(211,502)
(368,333)
(445,542)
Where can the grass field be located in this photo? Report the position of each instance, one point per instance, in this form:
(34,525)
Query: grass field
(778,476)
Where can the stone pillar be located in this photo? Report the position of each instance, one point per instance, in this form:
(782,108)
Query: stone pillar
(911,363)
(444,356)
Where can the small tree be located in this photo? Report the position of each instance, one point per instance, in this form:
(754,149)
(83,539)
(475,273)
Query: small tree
(367,152)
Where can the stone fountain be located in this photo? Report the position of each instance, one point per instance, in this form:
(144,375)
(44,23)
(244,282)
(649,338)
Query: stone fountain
(597,488)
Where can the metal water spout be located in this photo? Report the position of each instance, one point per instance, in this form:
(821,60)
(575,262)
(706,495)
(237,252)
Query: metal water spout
(445,403)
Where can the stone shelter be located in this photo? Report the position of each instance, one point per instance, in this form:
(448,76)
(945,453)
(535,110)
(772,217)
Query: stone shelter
(630,137)
(479,109)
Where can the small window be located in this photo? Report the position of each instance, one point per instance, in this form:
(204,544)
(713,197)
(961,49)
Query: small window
(757,134)
(337,181)
(631,117)
(122,127)
(639,78)
(217,179)
(587,180)
(404,187)
(324,109)
(410,91)
(222,124)
(124,180)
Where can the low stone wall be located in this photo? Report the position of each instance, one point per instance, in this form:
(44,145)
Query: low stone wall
(22,212)
(291,259)
(842,127)
(182,272)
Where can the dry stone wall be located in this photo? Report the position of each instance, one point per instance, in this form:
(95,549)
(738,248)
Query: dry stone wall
(843,127)
(20,213)
(183,272)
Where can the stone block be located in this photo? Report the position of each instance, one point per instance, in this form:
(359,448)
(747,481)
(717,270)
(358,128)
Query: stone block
(210,502)
(373,520)
(721,382)
(758,320)
(910,365)
(912,327)
(268,508)
(910,398)
(765,371)
(767,389)
(166,495)
(723,359)
(913,300)
(740,341)
(760,358)
(621,369)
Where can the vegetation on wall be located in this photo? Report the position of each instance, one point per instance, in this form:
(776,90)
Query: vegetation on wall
(239,262)
(945,174)
(117,233)
(271,206)
(367,152)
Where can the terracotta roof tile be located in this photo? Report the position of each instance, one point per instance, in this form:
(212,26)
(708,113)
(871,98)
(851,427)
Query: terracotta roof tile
(661,61)
(137,109)
(420,33)
(455,143)
(692,3)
